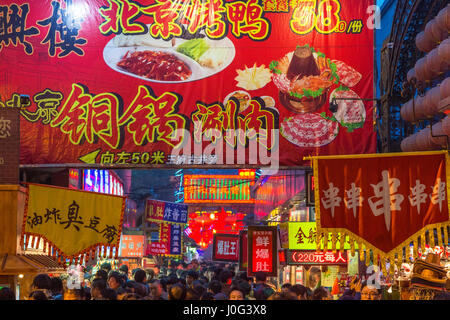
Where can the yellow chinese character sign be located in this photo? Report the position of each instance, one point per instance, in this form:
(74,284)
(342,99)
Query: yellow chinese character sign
(72,223)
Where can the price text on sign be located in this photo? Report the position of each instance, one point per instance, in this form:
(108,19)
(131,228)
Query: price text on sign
(310,257)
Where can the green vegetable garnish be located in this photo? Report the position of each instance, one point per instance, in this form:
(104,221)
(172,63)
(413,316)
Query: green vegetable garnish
(193,48)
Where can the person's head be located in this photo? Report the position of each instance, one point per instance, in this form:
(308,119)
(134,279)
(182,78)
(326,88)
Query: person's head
(123,269)
(321,293)
(140,276)
(57,285)
(115,280)
(192,294)
(37,295)
(191,276)
(263,293)
(156,289)
(109,294)
(236,293)
(150,274)
(370,292)
(7,294)
(101,274)
(283,295)
(106,266)
(215,287)
(226,277)
(285,287)
(207,296)
(42,281)
(177,292)
(97,287)
(299,291)
(260,276)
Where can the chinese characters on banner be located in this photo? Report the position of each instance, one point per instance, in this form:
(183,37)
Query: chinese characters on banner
(159,211)
(312,257)
(384,201)
(97,106)
(9,146)
(73,223)
(226,247)
(262,250)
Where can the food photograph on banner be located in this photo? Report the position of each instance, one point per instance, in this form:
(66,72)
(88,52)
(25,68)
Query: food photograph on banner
(291,149)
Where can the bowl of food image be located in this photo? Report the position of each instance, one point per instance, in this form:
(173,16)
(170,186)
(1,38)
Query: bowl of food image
(304,78)
(242,96)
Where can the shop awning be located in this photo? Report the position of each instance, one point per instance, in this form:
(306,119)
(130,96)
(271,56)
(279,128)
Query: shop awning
(11,264)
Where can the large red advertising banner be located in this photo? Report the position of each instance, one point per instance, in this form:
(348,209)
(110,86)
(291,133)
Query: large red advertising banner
(384,201)
(182,82)
(262,250)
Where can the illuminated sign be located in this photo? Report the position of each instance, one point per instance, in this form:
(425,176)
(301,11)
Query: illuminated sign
(226,247)
(262,249)
(132,246)
(220,188)
(102,181)
(74,175)
(243,250)
(311,257)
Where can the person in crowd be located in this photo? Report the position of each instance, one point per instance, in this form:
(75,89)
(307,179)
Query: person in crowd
(299,291)
(320,293)
(283,295)
(106,266)
(109,294)
(226,277)
(369,292)
(192,294)
(42,282)
(57,288)
(157,291)
(123,269)
(150,274)
(215,287)
(285,287)
(207,296)
(102,274)
(262,290)
(7,294)
(37,295)
(98,287)
(190,278)
(236,293)
(116,282)
(140,276)
(177,292)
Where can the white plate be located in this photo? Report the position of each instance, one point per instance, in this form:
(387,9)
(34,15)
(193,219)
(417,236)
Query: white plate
(112,54)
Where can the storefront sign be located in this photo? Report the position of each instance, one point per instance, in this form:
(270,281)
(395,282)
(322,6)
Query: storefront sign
(72,222)
(302,236)
(243,250)
(385,201)
(187,82)
(170,243)
(262,250)
(103,181)
(226,247)
(132,246)
(311,257)
(169,212)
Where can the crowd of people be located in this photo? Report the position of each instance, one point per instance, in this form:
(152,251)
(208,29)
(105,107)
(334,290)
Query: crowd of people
(191,281)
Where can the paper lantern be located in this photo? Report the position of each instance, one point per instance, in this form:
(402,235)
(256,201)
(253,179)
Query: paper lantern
(444,55)
(446,125)
(443,19)
(437,33)
(411,74)
(406,111)
(408,144)
(423,43)
(438,131)
(445,88)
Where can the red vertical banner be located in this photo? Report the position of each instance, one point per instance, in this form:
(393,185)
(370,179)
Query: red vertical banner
(226,247)
(155,210)
(262,249)
(243,250)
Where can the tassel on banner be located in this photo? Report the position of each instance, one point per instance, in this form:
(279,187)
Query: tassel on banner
(110,252)
(392,264)
(352,246)
(333,241)
(117,252)
(318,240)
(36,242)
(438,234)
(325,242)
(367,257)
(342,242)
(29,242)
(361,251)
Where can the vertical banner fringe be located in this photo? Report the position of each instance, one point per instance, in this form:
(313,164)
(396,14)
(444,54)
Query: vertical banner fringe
(318,240)
(438,234)
(334,236)
(352,246)
(361,251)
(342,242)
(325,241)
(29,242)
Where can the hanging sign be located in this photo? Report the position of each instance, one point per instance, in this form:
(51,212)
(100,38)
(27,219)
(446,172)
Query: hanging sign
(162,211)
(72,222)
(225,247)
(262,250)
(384,201)
(170,243)
(312,257)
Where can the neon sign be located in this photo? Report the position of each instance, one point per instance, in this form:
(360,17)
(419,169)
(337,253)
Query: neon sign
(102,181)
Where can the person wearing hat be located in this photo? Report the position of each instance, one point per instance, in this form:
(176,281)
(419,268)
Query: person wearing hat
(123,269)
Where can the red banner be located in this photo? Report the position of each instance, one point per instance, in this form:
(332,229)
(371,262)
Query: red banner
(226,247)
(183,82)
(383,201)
(262,249)
(170,242)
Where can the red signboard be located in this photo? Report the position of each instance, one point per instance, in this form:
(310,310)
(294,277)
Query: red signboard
(188,82)
(226,247)
(262,249)
(132,246)
(311,257)
(384,201)
(243,250)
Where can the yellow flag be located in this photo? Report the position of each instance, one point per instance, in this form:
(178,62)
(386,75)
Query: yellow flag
(73,222)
